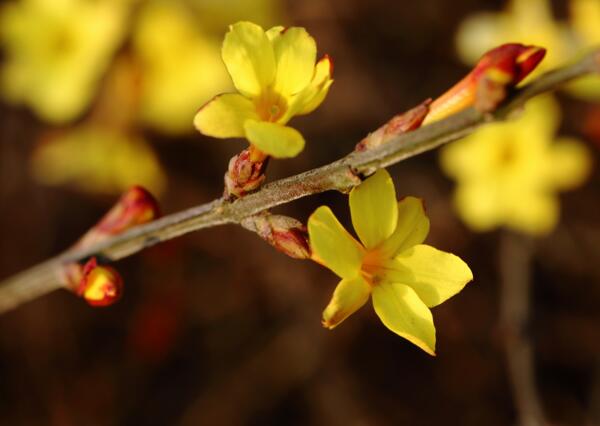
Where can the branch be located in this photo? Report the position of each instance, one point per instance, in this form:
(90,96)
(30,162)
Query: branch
(340,175)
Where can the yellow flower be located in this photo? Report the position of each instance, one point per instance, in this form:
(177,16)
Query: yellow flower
(585,19)
(508,173)
(181,66)
(277,78)
(404,276)
(56,51)
(97,160)
(532,22)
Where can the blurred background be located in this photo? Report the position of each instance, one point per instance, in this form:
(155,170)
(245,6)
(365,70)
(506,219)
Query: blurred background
(218,328)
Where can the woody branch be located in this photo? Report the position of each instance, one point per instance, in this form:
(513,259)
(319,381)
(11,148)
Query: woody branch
(341,175)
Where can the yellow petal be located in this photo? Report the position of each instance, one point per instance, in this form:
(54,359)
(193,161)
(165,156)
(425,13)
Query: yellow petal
(275,32)
(224,116)
(56,53)
(585,16)
(535,214)
(173,51)
(586,88)
(332,245)
(401,310)
(274,139)
(478,33)
(314,94)
(295,55)
(349,296)
(479,205)
(411,227)
(99,161)
(249,58)
(433,274)
(569,163)
(373,208)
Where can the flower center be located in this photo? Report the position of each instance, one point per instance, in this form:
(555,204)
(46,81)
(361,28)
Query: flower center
(271,106)
(372,267)
(507,155)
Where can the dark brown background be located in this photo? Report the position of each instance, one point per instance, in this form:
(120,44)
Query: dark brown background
(218,328)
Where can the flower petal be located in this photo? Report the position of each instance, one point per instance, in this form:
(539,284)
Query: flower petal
(569,163)
(295,55)
(401,310)
(249,58)
(433,274)
(373,208)
(533,213)
(349,296)
(411,229)
(332,245)
(97,160)
(275,32)
(224,116)
(274,139)
(313,95)
(479,206)
(478,33)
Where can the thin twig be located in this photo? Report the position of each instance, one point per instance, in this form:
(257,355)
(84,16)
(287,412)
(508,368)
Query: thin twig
(340,175)
(515,264)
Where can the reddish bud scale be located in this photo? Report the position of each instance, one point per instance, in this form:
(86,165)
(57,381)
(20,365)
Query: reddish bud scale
(246,173)
(286,234)
(399,124)
(293,242)
(135,207)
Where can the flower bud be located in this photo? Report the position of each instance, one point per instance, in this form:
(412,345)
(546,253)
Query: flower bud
(246,172)
(286,234)
(487,85)
(399,124)
(135,207)
(100,285)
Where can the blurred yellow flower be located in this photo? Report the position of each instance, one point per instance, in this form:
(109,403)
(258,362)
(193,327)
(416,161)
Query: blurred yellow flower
(277,78)
(585,18)
(181,65)
(56,51)
(508,173)
(585,21)
(95,159)
(404,276)
(532,22)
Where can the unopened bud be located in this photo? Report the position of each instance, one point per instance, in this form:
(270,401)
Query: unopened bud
(286,234)
(246,173)
(135,207)
(496,73)
(100,285)
(399,124)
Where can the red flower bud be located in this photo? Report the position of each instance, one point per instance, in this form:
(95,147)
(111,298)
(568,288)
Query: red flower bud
(485,87)
(135,207)
(100,285)
(246,172)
